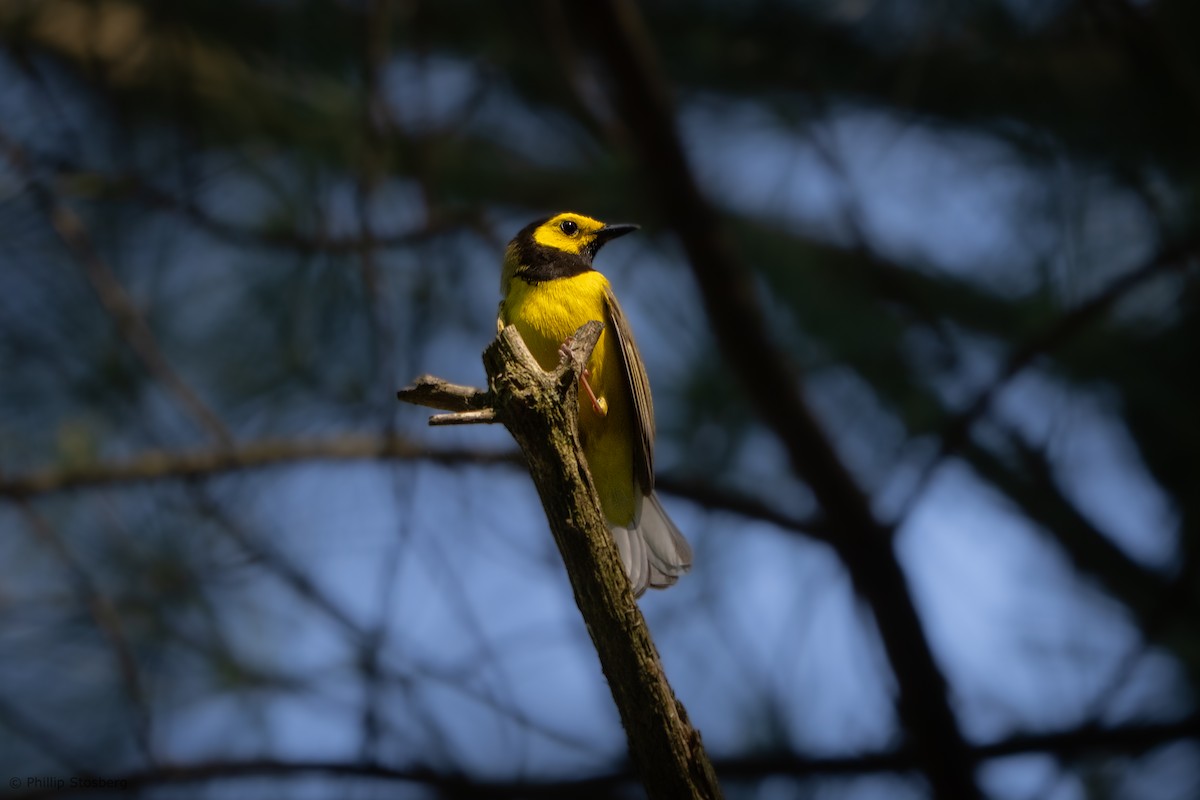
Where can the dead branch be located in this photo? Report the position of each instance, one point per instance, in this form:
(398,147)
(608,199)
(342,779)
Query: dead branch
(539,409)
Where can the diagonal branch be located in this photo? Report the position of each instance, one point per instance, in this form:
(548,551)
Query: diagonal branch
(730,294)
(539,410)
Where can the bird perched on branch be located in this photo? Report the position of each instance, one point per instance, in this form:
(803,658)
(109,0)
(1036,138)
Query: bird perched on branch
(550,289)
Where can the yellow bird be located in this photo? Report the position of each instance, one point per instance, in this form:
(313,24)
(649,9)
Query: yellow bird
(550,290)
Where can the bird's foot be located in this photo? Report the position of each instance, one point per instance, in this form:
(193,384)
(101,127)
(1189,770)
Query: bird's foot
(599,404)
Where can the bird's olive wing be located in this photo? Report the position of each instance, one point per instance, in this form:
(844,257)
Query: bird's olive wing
(639,390)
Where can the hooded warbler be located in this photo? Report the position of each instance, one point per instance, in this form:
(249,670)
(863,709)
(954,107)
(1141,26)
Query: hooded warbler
(550,289)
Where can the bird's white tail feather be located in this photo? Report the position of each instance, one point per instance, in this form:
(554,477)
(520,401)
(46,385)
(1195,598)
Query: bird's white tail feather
(652,549)
(633,553)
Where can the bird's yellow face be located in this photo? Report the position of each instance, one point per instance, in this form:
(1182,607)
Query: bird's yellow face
(571,233)
(558,247)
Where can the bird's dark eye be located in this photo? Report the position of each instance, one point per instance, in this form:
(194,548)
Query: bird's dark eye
(568,227)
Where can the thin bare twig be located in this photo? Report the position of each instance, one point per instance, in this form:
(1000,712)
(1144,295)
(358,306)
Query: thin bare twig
(431,392)
(464,417)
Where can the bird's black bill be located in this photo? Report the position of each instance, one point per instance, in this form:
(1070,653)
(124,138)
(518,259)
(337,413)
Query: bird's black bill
(613,231)
(608,233)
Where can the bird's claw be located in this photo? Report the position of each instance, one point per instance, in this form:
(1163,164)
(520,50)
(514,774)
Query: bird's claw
(599,404)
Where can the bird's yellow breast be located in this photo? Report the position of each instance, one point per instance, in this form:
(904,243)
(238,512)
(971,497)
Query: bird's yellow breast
(548,313)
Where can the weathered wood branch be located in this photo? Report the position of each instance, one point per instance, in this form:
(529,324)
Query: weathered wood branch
(540,409)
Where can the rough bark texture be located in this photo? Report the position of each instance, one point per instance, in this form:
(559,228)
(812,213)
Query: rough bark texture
(539,409)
